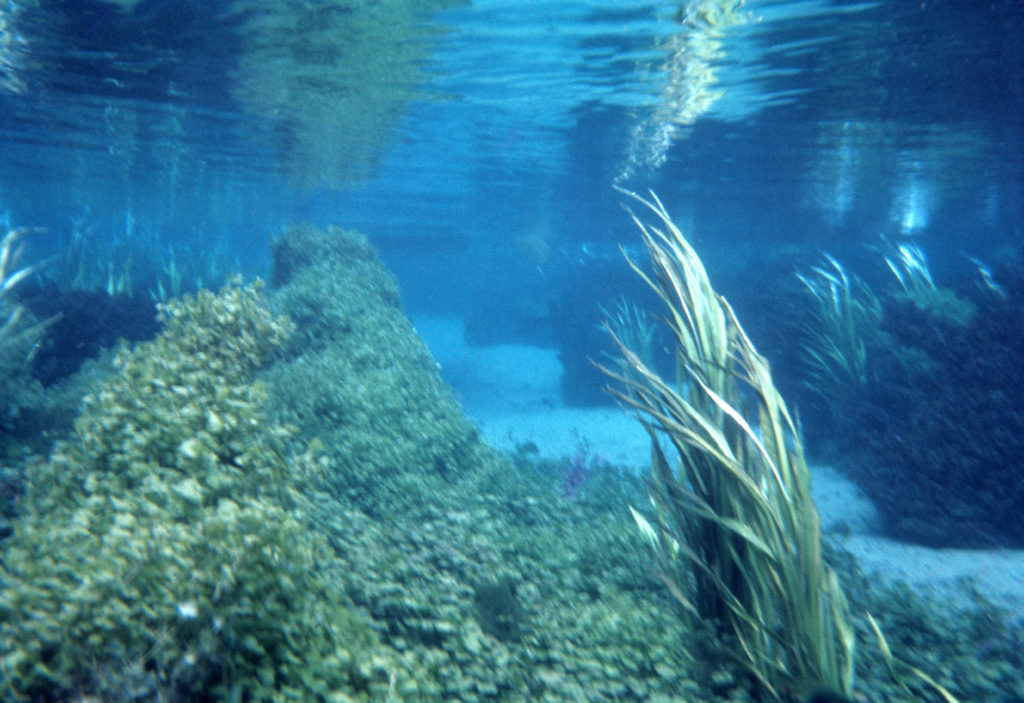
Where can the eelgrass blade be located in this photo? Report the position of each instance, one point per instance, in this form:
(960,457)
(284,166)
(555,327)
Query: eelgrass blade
(737,509)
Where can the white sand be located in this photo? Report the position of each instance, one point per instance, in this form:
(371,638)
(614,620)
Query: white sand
(512,393)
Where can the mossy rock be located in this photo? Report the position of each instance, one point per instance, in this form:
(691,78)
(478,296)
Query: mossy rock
(944,304)
(165,553)
(361,379)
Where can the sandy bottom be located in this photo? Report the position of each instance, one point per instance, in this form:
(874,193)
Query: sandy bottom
(512,393)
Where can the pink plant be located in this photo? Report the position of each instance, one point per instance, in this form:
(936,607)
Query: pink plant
(577,470)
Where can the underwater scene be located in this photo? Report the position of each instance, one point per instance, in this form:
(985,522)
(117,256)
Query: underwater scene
(512,350)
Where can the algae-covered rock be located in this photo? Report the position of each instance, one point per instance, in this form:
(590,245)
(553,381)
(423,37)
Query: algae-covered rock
(481,574)
(164,552)
(361,379)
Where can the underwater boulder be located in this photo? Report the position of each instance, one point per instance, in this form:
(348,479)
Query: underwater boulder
(360,378)
(165,552)
(937,437)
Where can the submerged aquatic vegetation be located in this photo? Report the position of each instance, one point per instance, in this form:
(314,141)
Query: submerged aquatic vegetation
(844,318)
(164,550)
(634,328)
(736,518)
(922,395)
(186,554)
(736,529)
(937,438)
(909,265)
(20,335)
(491,582)
(11,312)
(360,378)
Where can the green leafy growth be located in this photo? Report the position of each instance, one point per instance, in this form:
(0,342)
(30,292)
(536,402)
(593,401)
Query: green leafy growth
(909,265)
(634,328)
(11,247)
(844,321)
(20,334)
(736,529)
(164,552)
(361,379)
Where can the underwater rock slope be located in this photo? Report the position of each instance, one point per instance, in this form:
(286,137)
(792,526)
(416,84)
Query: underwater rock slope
(163,550)
(360,378)
(337,531)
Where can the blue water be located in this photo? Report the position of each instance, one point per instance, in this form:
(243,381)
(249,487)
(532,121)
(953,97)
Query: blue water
(155,147)
(160,145)
(129,127)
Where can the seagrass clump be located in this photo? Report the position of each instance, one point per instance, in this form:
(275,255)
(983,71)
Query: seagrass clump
(843,318)
(734,526)
(12,328)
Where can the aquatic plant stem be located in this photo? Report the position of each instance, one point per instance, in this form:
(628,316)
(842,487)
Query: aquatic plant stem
(735,529)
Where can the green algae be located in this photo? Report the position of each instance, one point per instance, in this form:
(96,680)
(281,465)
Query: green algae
(163,551)
(186,543)
(361,379)
(430,519)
